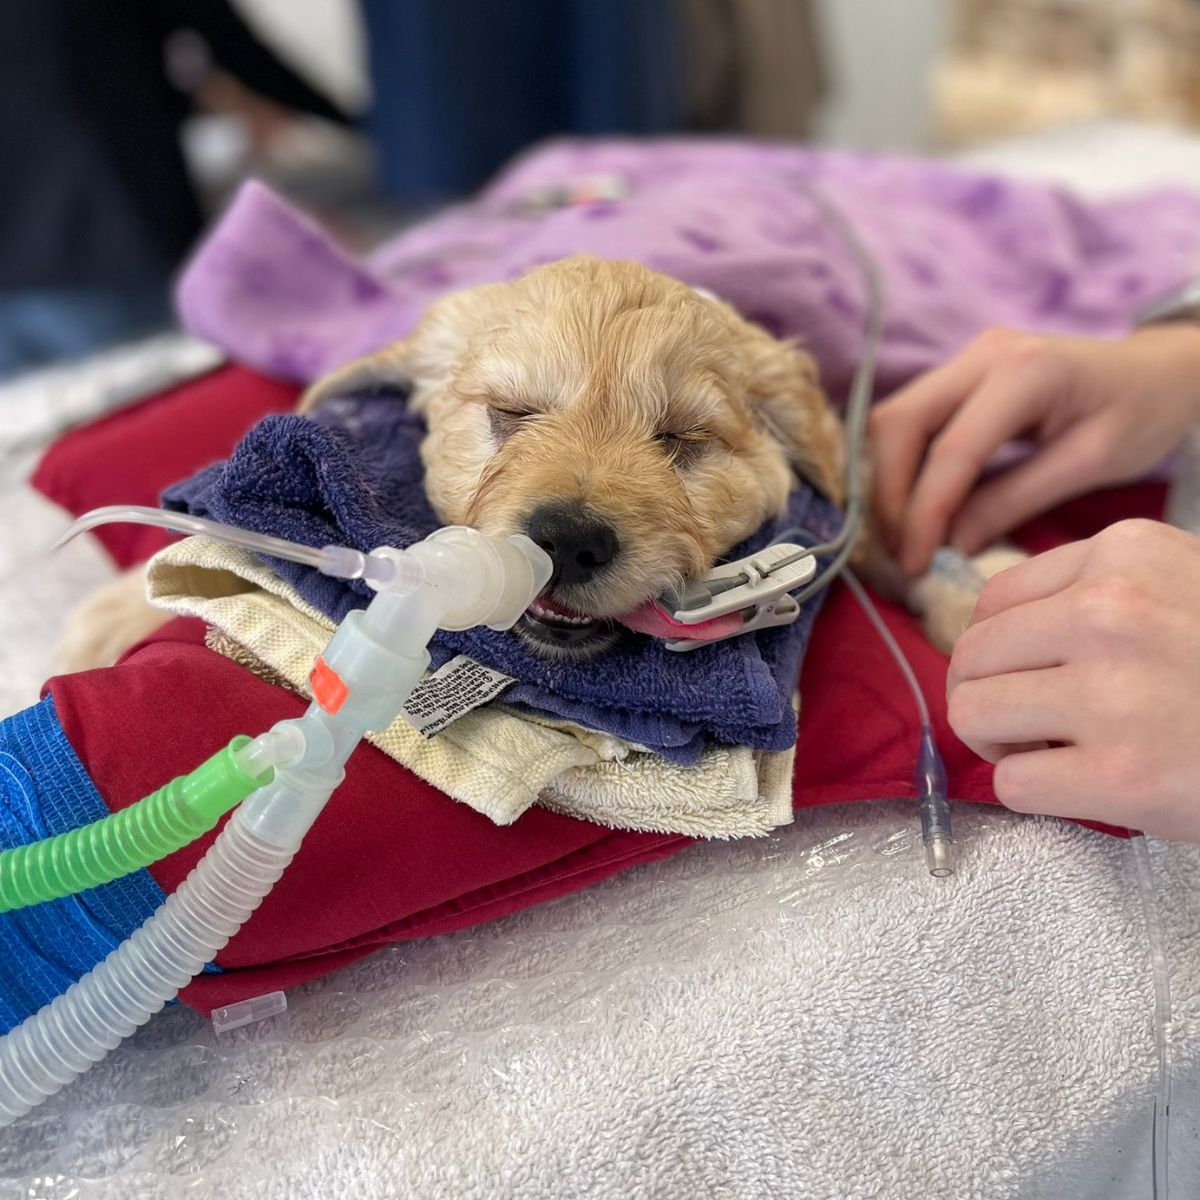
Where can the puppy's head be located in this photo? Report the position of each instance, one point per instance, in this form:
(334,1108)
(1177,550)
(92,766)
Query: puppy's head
(635,429)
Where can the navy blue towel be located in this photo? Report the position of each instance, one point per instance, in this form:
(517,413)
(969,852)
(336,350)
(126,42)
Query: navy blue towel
(353,476)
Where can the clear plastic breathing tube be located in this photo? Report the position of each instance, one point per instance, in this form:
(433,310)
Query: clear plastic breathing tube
(375,658)
(57,1044)
(340,561)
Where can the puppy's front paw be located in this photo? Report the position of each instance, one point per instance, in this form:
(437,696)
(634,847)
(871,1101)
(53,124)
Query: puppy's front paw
(110,621)
(945,596)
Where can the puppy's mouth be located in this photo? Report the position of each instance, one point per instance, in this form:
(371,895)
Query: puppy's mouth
(557,631)
(561,632)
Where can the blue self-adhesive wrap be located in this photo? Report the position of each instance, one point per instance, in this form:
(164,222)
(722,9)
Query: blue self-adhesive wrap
(45,790)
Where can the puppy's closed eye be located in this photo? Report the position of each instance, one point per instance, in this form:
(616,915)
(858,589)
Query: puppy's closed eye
(685,447)
(506,419)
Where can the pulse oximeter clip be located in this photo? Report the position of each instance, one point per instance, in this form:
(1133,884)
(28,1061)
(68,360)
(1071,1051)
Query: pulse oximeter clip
(757,586)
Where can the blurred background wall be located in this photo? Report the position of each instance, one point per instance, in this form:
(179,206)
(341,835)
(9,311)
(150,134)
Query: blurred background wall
(1014,66)
(371,113)
(838,72)
(880,56)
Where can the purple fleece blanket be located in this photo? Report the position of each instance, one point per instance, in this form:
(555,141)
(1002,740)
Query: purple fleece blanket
(958,251)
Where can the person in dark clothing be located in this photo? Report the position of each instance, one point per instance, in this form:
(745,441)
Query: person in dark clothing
(98,208)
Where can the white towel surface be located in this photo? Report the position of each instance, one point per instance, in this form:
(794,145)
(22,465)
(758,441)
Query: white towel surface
(806,1015)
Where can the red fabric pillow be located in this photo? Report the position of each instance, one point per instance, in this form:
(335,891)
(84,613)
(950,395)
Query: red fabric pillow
(391,858)
(131,455)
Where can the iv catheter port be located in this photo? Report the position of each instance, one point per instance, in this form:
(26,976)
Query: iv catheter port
(939,856)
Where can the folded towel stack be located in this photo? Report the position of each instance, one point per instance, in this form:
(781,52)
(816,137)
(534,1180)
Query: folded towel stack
(494,758)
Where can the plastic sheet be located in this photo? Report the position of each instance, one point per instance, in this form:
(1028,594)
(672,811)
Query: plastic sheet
(546,1054)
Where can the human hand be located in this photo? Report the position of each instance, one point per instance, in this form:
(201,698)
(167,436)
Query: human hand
(1079,677)
(1099,412)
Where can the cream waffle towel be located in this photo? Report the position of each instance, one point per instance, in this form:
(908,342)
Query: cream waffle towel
(497,761)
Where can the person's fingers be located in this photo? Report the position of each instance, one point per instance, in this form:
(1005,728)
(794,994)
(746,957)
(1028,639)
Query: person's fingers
(1026,706)
(1024,638)
(1043,575)
(1057,472)
(1060,781)
(1009,401)
(902,426)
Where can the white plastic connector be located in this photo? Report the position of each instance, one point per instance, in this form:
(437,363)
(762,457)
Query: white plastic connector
(481,580)
(387,569)
(303,742)
(248,1012)
(503,576)
(278,747)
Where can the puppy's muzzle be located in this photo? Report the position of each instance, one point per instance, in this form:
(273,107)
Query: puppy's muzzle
(581,544)
(583,547)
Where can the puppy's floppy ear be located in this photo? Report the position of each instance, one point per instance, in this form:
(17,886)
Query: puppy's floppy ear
(787,402)
(382,374)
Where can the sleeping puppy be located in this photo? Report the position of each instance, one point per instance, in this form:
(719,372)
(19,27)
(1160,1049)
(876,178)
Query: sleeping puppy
(633,427)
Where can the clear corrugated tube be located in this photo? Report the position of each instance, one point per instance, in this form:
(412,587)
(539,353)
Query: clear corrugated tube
(56,1045)
(375,659)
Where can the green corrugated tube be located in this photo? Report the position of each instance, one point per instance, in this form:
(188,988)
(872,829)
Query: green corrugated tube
(126,841)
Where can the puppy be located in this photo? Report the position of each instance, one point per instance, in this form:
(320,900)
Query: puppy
(633,427)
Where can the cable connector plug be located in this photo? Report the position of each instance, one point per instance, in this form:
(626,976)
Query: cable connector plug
(934,806)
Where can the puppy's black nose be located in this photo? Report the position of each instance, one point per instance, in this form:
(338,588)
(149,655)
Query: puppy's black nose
(580,543)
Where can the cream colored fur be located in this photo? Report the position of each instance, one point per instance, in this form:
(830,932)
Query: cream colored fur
(107,623)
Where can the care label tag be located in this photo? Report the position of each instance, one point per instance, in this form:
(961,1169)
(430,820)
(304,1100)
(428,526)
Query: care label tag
(454,688)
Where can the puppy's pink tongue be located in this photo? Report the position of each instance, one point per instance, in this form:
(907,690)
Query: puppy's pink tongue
(655,621)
